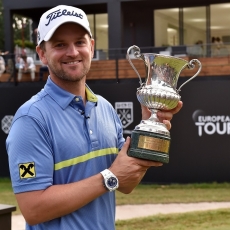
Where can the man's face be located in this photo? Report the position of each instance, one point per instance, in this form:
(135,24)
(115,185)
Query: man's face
(68,53)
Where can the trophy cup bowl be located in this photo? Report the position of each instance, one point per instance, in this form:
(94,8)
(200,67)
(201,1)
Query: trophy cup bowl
(150,139)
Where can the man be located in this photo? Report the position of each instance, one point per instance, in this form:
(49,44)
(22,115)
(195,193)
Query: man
(2,65)
(26,65)
(2,62)
(65,142)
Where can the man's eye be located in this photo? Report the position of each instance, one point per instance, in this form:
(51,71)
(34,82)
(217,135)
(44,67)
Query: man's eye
(80,42)
(60,45)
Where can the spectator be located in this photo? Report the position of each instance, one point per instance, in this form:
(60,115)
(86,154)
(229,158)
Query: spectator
(219,45)
(10,69)
(17,62)
(26,65)
(2,62)
(213,46)
(213,40)
(43,69)
(2,66)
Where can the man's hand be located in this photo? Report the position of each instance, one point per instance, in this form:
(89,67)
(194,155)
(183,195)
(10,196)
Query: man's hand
(167,115)
(130,170)
(164,116)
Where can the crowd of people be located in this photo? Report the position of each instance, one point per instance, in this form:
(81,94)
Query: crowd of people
(20,65)
(25,64)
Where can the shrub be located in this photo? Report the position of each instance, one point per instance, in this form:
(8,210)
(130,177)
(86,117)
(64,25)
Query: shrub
(27,44)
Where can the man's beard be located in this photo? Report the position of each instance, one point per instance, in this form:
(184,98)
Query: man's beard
(61,74)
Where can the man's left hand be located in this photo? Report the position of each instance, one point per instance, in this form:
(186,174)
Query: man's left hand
(164,116)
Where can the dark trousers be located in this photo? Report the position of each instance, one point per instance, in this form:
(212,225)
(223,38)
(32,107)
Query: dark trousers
(42,70)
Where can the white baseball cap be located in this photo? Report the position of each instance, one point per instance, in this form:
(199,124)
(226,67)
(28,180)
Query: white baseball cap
(57,16)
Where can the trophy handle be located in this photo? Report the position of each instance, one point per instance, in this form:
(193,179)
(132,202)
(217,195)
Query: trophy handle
(138,55)
(191,65)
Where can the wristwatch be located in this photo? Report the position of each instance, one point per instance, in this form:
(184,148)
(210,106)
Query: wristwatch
(110,180)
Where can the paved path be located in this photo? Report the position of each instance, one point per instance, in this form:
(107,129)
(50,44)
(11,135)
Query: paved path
(134,211)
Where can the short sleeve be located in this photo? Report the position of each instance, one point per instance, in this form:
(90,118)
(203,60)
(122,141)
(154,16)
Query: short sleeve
(30,155)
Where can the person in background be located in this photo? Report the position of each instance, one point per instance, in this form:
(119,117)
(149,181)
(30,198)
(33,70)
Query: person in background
(66,150)
(2,62)
(42,70)
(17,62)
(10,69)
(219,45)
(213,40)
(2,65)
(26,65)
(213,44)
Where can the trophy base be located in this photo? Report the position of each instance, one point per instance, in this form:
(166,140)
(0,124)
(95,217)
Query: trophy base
(149,146)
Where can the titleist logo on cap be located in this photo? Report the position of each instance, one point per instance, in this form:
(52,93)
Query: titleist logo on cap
(59,13)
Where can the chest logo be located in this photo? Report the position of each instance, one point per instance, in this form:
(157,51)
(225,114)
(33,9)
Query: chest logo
(125,112)
(27,170)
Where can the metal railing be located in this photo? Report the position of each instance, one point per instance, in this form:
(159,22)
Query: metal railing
(193,51)
(200,50)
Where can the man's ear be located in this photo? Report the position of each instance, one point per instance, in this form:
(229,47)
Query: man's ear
(41,54)
(92,47)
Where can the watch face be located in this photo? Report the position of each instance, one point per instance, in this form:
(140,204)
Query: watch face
(112,182)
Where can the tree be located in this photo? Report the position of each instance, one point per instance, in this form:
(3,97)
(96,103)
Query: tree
(22,30)
(21,27)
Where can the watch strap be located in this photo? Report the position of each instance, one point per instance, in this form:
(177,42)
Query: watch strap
(108,175)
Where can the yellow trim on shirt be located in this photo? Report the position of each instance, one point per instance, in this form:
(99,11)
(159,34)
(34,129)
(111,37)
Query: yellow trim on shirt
(90,95)
(88,156)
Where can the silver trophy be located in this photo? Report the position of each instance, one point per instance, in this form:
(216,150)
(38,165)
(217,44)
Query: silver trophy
(151,139)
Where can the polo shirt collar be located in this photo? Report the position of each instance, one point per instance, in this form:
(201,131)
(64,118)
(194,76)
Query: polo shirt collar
(63,97)
(90,95)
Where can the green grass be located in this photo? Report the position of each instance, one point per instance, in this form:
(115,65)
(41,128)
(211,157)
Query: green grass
(176,193)
(155,194)
(6,194)
(209,220)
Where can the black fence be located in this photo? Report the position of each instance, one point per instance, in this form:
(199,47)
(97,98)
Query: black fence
(200,150)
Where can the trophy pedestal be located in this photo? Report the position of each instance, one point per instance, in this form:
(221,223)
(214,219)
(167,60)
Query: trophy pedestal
(149,146)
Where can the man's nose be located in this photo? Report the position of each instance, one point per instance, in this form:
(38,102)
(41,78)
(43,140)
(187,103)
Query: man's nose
(72,50)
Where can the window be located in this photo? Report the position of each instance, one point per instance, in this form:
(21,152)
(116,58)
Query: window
(220,29)
(99,28)
(194,29)
(166,27)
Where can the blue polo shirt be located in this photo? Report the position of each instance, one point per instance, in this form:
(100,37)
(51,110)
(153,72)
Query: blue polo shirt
(56,139)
